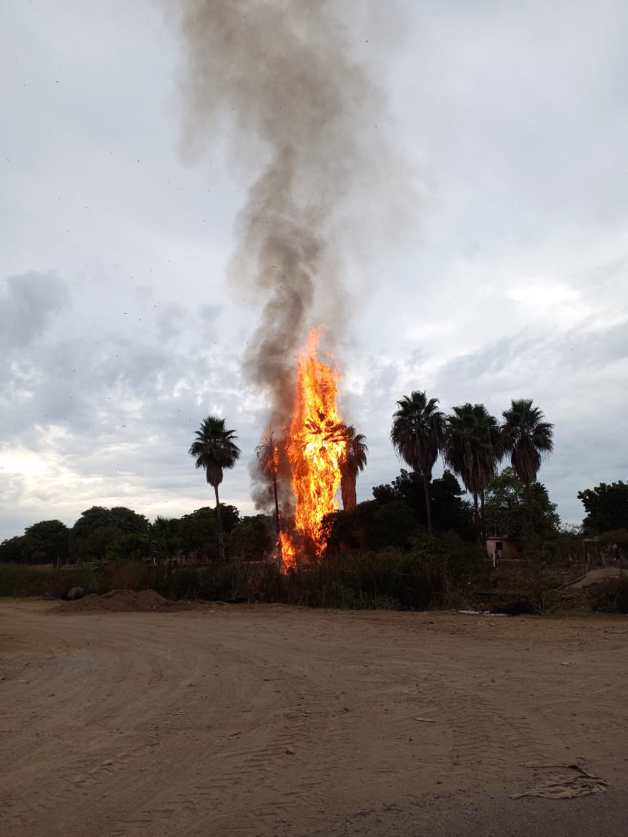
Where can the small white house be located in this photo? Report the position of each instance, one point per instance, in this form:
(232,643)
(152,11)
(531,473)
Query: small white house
(502,549)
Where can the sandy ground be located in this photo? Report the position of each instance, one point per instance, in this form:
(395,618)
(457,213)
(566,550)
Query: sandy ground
(271,721)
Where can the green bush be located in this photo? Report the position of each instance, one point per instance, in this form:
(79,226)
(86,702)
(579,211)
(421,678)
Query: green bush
(24,580)
(128,575)
(179,583)
(610,597)
(430,573)
(415,580)
(409,581)
(252,539)
(227,581)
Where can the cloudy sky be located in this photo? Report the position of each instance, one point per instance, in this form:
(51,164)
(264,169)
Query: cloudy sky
(506,278)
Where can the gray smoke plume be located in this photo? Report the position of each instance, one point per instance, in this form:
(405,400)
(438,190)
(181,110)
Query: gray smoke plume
(277,78)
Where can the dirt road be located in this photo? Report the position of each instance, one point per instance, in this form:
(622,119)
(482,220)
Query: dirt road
(268,720)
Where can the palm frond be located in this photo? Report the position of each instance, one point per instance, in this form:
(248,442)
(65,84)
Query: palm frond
(214,448)
(356,451)
(473,445)
(526,436)
(418,431)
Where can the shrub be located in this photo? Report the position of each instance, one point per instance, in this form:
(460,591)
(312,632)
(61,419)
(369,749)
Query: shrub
(391,579)
(179,583)
(410,581)
(423,575)
(252,539)
(610,597)
(20,580)
(127,575)
(222,581)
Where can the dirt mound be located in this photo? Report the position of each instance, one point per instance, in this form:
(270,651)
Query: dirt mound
(120,600)
(598,576)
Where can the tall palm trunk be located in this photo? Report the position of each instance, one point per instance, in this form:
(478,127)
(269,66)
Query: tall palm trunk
(276,496)
(527,494)
(219,532)
(348,491)
(428,503)
(476,514)
(482,529)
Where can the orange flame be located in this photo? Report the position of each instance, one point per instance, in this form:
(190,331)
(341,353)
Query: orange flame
(287,551)
(315,448)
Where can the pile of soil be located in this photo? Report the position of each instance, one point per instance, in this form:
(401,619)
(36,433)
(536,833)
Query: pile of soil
(576,596)
(598,576)
(119,601)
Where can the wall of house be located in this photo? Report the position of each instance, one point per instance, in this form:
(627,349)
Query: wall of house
(510,550)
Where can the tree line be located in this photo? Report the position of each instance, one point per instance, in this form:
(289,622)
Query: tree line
(113,534)
(393,518)
(471,441)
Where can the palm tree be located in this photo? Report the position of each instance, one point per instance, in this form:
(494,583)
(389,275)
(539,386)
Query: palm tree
(473,448)
(214,450)
(417,434)
(353,462)
(268,455)
(526,437)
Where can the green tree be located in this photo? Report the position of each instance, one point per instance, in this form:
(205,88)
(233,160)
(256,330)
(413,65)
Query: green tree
(517,512)
(122,545)
(417,434)
(165,538)
(45,542)
(606,507)
(526,437)
(127,520)
(251,539)
(16,550)
(371,525)
(353,462)
(197,532)
(49,541)
(109,534)
(215,449)
(450,513)
(473,448)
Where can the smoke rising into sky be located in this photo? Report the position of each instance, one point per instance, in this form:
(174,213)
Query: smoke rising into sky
(279,78)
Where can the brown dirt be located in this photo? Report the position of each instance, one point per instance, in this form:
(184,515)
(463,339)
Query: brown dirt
(267,720)
(599,576)
(120,601)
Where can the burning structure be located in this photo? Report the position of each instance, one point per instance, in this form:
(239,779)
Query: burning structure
(277,79)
